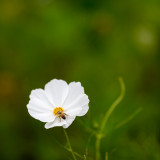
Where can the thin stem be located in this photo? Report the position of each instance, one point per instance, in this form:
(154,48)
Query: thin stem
(129,118)
(113,106)
(69,144)
(106,156)
(77,154)
(98,147)
(87,146)
(106,117)
(88,128)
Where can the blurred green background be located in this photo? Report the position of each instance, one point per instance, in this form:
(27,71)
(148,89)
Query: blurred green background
(93,42)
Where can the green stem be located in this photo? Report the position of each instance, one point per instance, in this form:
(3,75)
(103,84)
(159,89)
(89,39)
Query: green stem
(69,144)
(129,118)
(106,117)
(98,147)
(77,154)
(106,156)
(87,146)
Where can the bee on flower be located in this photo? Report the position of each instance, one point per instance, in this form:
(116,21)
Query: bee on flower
(58,104)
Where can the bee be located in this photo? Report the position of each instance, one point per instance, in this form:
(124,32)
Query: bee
(62,115)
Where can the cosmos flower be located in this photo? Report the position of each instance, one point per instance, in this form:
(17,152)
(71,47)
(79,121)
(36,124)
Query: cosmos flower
(58,104)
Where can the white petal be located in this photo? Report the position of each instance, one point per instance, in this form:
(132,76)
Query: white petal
(39,99)
(39,107)
(57,122)
(69,121)
(84,110)
(79,102)
(75,90)
(73,111)
(56,91)
(43,117)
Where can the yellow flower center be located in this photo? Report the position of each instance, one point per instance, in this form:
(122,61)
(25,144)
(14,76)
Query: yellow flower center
(57,109)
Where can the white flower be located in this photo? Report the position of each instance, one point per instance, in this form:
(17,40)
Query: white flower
(58,104)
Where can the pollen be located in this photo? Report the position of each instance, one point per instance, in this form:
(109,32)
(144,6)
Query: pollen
(57,109)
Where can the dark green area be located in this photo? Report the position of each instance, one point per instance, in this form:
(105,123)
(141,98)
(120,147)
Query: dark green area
(93,42)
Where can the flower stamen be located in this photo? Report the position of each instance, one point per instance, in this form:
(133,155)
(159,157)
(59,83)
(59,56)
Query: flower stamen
(58,110)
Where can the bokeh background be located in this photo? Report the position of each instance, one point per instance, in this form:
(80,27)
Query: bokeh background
(93,42)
